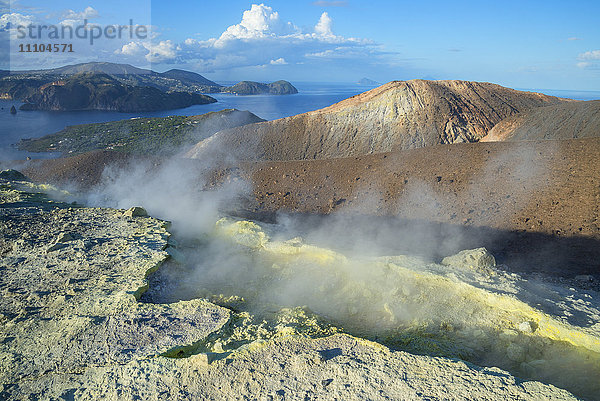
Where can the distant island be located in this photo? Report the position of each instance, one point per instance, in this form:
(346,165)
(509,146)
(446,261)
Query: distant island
(256,88)
(99,91)
(120,87)
(367,82)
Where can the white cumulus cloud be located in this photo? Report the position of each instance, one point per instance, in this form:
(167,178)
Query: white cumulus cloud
(323,27)
(88,13)
(13,20)
(257,23)
(132,49)
(261,39)
(73,18)
(279,61)
(589,60)
(165,50)
(590,55)
(264,38)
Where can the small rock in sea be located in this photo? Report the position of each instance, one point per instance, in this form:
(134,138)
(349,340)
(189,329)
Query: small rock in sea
(135,211)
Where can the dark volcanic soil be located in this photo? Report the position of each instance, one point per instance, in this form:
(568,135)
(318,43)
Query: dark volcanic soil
(79,171)
(551,187)
(535,205)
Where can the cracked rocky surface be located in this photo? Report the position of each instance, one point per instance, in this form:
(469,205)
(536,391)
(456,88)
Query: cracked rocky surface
(296,368)
(69,281)
(71,326)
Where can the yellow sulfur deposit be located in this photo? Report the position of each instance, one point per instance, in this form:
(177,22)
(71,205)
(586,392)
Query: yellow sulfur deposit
(50,190)
(410,304)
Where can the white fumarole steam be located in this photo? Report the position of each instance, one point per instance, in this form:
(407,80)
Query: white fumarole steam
(470,311)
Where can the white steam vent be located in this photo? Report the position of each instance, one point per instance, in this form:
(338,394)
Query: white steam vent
(463,308)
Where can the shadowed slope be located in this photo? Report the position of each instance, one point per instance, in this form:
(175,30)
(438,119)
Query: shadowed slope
(561,121)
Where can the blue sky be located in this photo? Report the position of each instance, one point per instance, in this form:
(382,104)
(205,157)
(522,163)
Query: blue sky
(521,44)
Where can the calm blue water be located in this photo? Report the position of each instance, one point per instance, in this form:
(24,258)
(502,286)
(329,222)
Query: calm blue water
(34,124)
(577,95)
(311,96)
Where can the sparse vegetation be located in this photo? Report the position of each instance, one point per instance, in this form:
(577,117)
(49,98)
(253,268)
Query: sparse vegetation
(164,135)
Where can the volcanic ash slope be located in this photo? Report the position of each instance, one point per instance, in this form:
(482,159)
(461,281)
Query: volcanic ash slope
(397,115)
(561,121)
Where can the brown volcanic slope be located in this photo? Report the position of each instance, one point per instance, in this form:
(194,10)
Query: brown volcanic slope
(561,121)
(397,115)
(79,171)
(525,201)
(535,205)
(548,186)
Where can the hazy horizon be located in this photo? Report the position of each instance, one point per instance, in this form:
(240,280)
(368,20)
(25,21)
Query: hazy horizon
(534,45)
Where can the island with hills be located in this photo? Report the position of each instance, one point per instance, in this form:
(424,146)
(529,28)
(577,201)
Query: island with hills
(256,88)
(367,82)
(98,91)
(120,87)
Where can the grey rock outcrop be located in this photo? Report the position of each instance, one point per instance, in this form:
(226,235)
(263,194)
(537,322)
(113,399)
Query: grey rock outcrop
(477,259)
(332,368)
(74,307)
(13,175)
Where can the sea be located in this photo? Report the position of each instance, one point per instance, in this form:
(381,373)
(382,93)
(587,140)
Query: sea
(311,96)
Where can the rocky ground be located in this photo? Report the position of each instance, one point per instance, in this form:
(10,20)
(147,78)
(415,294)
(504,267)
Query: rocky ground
(73,328)
(549,187)
(532,203)
(70,279)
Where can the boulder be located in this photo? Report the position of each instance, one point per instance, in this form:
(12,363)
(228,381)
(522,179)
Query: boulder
(135,211)
(477,259)
(13,175)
